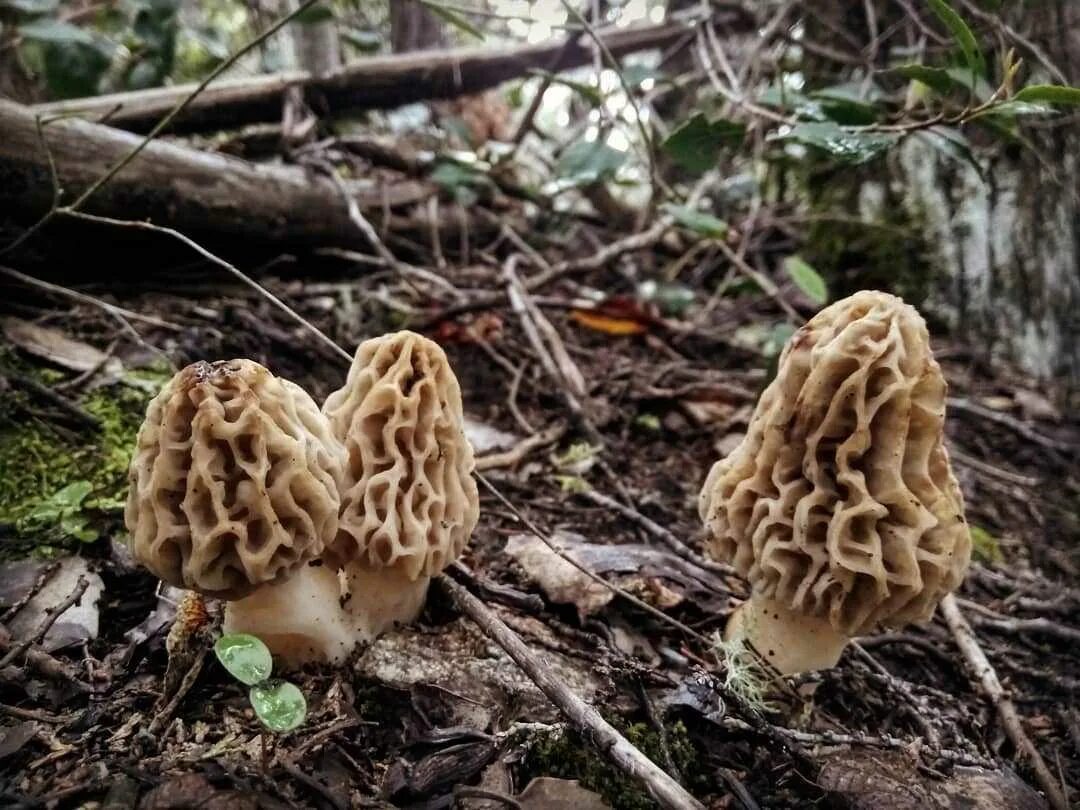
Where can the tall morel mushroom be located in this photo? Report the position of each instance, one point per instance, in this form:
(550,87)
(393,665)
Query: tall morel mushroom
(234,494)
(839,506)
(408,502)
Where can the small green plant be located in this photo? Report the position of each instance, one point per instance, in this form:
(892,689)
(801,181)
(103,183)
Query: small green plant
(279,704)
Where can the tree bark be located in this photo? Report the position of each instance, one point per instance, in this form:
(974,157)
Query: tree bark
(193,191)
(379,82)
(413,27)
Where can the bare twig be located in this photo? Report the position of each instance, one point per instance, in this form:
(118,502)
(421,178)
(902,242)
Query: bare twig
(46,574)
(984,672)
(52,614)
(514,456)
(964,404)
(83,298)
(665,790)
(214,259)
(660,533)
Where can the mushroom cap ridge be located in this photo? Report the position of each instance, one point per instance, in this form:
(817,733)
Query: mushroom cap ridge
(840,501)
(408,499)
(234,480)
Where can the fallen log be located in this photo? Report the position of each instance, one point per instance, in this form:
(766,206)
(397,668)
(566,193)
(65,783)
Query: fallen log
(187,189)
(377,83)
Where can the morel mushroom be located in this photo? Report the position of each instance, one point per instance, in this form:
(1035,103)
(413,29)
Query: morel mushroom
(839,506)
(234,494)
(408,503)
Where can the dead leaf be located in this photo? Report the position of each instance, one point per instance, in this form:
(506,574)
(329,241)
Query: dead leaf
(485,438)
(657,575)
(607,324)
(75,625)
(549,793)
(1035,406)
(892,780)
(563,583)
(193,791)
(727,444)
(54,346)
(13,738)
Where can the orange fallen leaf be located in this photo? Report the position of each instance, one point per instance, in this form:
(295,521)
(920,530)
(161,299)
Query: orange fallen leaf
(607,324)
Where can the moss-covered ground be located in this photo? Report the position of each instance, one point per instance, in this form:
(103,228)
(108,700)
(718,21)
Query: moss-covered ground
(59,485)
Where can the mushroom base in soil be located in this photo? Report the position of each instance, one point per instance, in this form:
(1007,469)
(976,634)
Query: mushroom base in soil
(300,620)
(791,642)
(379,599)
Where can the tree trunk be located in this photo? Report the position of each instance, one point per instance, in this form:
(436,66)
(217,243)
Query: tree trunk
(380,82)
(414,28)
(193,191)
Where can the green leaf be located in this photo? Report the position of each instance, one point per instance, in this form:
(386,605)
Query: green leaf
(984,546)
(843,144)
(453,18)
(1014,108)
(698,221)
(937,79)
(460,179)
(55,31)
(363,41)
(844,104)
(1049,94)
(696,143)
(807,279)
(961,34)
(587,162)
(245,657)
(320,12)
(280,705)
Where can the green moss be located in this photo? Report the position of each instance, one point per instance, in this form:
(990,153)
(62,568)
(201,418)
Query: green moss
(58,486)
(569,757)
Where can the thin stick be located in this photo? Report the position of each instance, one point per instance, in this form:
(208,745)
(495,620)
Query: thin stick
(83,298)
(660,533)
(213,259)
(53,614)
(665,790)
(513,456)
(983,670)
(551,544)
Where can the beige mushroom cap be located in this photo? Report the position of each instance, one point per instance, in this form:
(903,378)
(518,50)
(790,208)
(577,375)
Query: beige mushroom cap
(409,501)
(233,481)
(840,502)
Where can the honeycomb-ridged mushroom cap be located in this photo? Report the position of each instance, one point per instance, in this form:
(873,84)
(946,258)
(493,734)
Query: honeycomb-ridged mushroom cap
(840,502)
(234,480)
(409,501)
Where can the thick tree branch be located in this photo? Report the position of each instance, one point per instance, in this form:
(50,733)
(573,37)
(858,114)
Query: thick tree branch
(177,186)
(379,82)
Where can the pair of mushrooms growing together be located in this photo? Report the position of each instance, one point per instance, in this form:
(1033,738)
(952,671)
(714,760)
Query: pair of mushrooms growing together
(839,506)
(320,528)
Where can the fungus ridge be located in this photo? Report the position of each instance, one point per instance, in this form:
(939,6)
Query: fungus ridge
(840,501)
(408,498)
(234,479)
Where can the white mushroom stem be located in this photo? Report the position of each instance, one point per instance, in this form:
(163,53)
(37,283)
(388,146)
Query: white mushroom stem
(377,599)
(300,620)
(789,641)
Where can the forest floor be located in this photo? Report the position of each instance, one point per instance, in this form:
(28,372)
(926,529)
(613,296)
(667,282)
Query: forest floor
(95,718)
